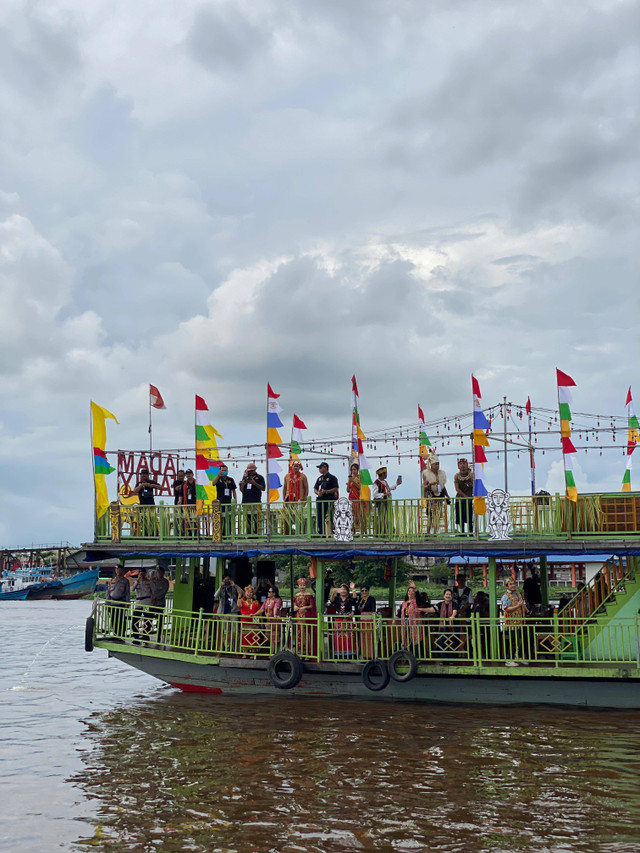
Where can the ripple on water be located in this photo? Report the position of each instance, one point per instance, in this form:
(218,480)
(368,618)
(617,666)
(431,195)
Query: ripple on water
(151,769)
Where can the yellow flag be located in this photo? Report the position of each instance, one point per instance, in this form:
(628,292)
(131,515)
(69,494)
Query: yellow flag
(99,440)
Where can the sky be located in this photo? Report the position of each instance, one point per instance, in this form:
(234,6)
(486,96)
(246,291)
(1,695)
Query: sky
(210,196)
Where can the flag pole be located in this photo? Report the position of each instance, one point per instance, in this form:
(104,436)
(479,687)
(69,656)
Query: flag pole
(93,468)
(150,434)
(266,453)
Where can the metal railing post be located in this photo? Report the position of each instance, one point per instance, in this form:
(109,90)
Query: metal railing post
(197,647)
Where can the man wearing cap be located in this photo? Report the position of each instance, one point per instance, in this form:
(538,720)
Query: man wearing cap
(144,488)
(326,489)
(226,490)
(252,485)
(142,589)
(380,493)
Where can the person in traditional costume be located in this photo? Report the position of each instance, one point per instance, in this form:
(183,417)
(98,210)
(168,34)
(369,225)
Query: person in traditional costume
(306,620)
(380,493)
(447,611)
(513,611)
(463,482)
(344,641)
(354,495)
(271,609)
(248,609)
(434,489)
(366,610)
(411,620)
(295,494)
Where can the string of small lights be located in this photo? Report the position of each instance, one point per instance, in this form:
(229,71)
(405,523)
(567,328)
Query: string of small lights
(450,436)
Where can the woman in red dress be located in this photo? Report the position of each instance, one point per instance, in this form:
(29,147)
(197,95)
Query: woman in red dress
(271,609)
(306,620)
(248,609)
(344,641)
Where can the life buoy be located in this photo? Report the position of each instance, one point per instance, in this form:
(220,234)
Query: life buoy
(88,634)
(375,675)
(285,670)
(403,656)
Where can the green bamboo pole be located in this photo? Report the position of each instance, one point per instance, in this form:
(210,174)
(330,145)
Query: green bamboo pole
(493,606)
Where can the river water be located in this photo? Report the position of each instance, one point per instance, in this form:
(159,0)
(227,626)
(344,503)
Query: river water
(96,756)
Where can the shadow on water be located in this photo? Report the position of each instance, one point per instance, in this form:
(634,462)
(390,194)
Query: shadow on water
(183,772)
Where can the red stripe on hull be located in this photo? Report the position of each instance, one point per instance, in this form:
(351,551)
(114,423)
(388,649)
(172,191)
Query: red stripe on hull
(195,688)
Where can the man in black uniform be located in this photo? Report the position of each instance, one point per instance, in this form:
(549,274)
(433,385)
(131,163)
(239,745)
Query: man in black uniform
(144,488)
(252,485)
(226,487)
(326,489)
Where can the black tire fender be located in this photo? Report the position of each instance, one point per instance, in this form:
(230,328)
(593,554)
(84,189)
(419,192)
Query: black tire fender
(375,675)
(285,670)
(406,657)
(88,634)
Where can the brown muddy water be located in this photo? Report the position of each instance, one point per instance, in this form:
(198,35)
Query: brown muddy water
(96,756)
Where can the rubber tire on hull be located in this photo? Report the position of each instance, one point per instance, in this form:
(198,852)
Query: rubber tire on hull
(88,634)
(406,656)
(285,670)
(375,669)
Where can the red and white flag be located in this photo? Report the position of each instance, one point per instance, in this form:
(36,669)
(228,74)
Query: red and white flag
(155,398)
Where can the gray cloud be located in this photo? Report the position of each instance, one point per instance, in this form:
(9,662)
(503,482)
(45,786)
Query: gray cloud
(265,191)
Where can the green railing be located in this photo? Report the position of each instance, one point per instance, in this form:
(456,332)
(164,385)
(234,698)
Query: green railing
(471,642)
(391,520)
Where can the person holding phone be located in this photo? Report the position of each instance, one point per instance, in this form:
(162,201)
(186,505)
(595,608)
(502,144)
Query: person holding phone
(380,494)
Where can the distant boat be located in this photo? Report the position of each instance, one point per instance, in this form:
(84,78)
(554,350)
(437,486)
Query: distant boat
(27,586)
(77,586)
(23,587)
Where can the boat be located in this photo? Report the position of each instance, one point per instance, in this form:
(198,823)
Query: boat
(77,585)
(41,583)
(587,654)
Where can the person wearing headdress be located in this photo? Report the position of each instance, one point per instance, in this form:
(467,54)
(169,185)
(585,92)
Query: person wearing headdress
(434,488)
(295,494)
(463,482)
(380,494)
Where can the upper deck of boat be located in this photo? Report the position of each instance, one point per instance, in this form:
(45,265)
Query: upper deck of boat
(596,524)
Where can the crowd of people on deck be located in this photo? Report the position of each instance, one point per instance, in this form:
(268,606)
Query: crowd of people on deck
(296,491)
(259,611)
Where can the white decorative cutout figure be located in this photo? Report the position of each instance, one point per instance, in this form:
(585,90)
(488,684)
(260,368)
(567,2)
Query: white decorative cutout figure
(342,521)
(499,514)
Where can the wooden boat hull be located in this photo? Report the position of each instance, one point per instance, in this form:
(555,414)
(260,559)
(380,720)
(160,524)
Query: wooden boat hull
(235,677)
(77,586)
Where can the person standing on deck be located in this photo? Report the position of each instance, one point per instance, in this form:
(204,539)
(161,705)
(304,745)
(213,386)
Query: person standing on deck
(462,595)
(226,492)
(142,589)
(118,596)
(227,596)
(327,489)
(144,488)
(159,590)
(380,493)
(463,482)
(296,485)
(295,494)
(177,487)
(435,492)
(252,485)
(532,592)
(513,610)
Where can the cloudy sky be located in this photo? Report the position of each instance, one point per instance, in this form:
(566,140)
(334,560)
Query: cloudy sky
(210,195)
